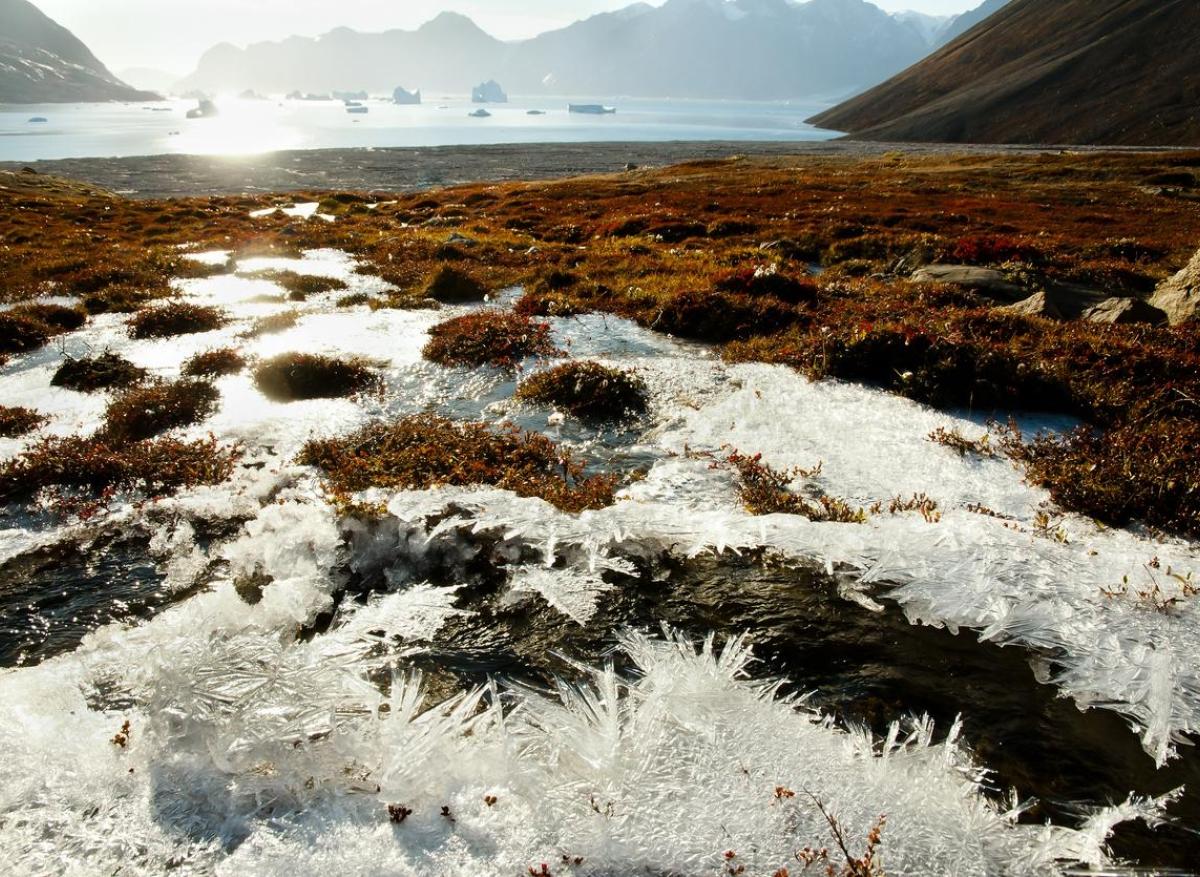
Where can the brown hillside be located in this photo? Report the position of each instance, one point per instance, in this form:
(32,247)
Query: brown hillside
(1122,72)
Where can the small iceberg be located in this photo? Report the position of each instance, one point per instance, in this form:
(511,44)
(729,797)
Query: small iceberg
(480,113)
(206,109)
(37,120)
(489,92)
(535,112)
(591,109)
(404,97)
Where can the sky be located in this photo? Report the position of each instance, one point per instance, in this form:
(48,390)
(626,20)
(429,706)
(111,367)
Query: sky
(171,35)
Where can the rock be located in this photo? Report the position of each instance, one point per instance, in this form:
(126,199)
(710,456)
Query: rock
(1179,297)
(1037,305)
(630,166)
(1124,310)
(489,92)
(988,282)
(459,239)
(405,97)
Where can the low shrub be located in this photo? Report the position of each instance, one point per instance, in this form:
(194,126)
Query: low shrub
(91,374)
(489,337)
(16,422)
(214,363)
(301,286)
(144,412)
(991,250)
(767,491)
(767,281)
(1145,472)
(354,299)
(717,317)
(100,464)
(450,285)
(20,333)
(119,299)
(175,318)
(272,324)
(425,451)
(292,377)
(57,317)
(587,390)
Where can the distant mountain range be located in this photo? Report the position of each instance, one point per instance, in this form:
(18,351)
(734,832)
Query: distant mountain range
(749,49)
(43,62)
(1122,72)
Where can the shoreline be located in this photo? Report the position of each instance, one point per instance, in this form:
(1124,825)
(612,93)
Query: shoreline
(408,169)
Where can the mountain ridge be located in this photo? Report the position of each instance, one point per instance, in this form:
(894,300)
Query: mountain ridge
(752,49)
(1047,71)
(43,62)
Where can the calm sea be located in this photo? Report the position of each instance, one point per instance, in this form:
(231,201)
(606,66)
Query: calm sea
(250,126)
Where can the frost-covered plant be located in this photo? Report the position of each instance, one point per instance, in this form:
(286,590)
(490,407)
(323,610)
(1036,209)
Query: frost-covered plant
(144,412)
(764,490)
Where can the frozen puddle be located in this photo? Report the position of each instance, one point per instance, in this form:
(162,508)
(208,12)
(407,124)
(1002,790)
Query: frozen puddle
(275,713)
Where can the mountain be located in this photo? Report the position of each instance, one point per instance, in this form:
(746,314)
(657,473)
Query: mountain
(764,49)
(1120,72)
(958,25)
(43,62)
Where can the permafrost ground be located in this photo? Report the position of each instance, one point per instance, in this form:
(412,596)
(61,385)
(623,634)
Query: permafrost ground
(272,738)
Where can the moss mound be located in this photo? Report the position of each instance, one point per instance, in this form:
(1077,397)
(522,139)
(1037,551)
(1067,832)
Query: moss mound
(101,464)
(16,422)
(292,377)
(175,318)
(587,390)
(498,338)
(103,372)
(427,451)
(450,285)
(214,363)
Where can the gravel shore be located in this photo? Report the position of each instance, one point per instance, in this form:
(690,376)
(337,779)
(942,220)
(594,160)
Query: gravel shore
(409,169)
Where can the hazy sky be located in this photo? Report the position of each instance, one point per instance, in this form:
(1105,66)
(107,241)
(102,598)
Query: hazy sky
(171,34)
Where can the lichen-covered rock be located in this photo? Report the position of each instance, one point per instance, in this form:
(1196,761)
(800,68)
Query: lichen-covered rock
(1179,297)
(987,282)
(1124,310)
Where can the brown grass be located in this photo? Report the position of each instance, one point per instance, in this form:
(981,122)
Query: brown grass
(767,491)
(426,451)
(300,286)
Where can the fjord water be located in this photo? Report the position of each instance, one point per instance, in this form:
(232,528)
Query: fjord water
(255,126)
(270,732)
